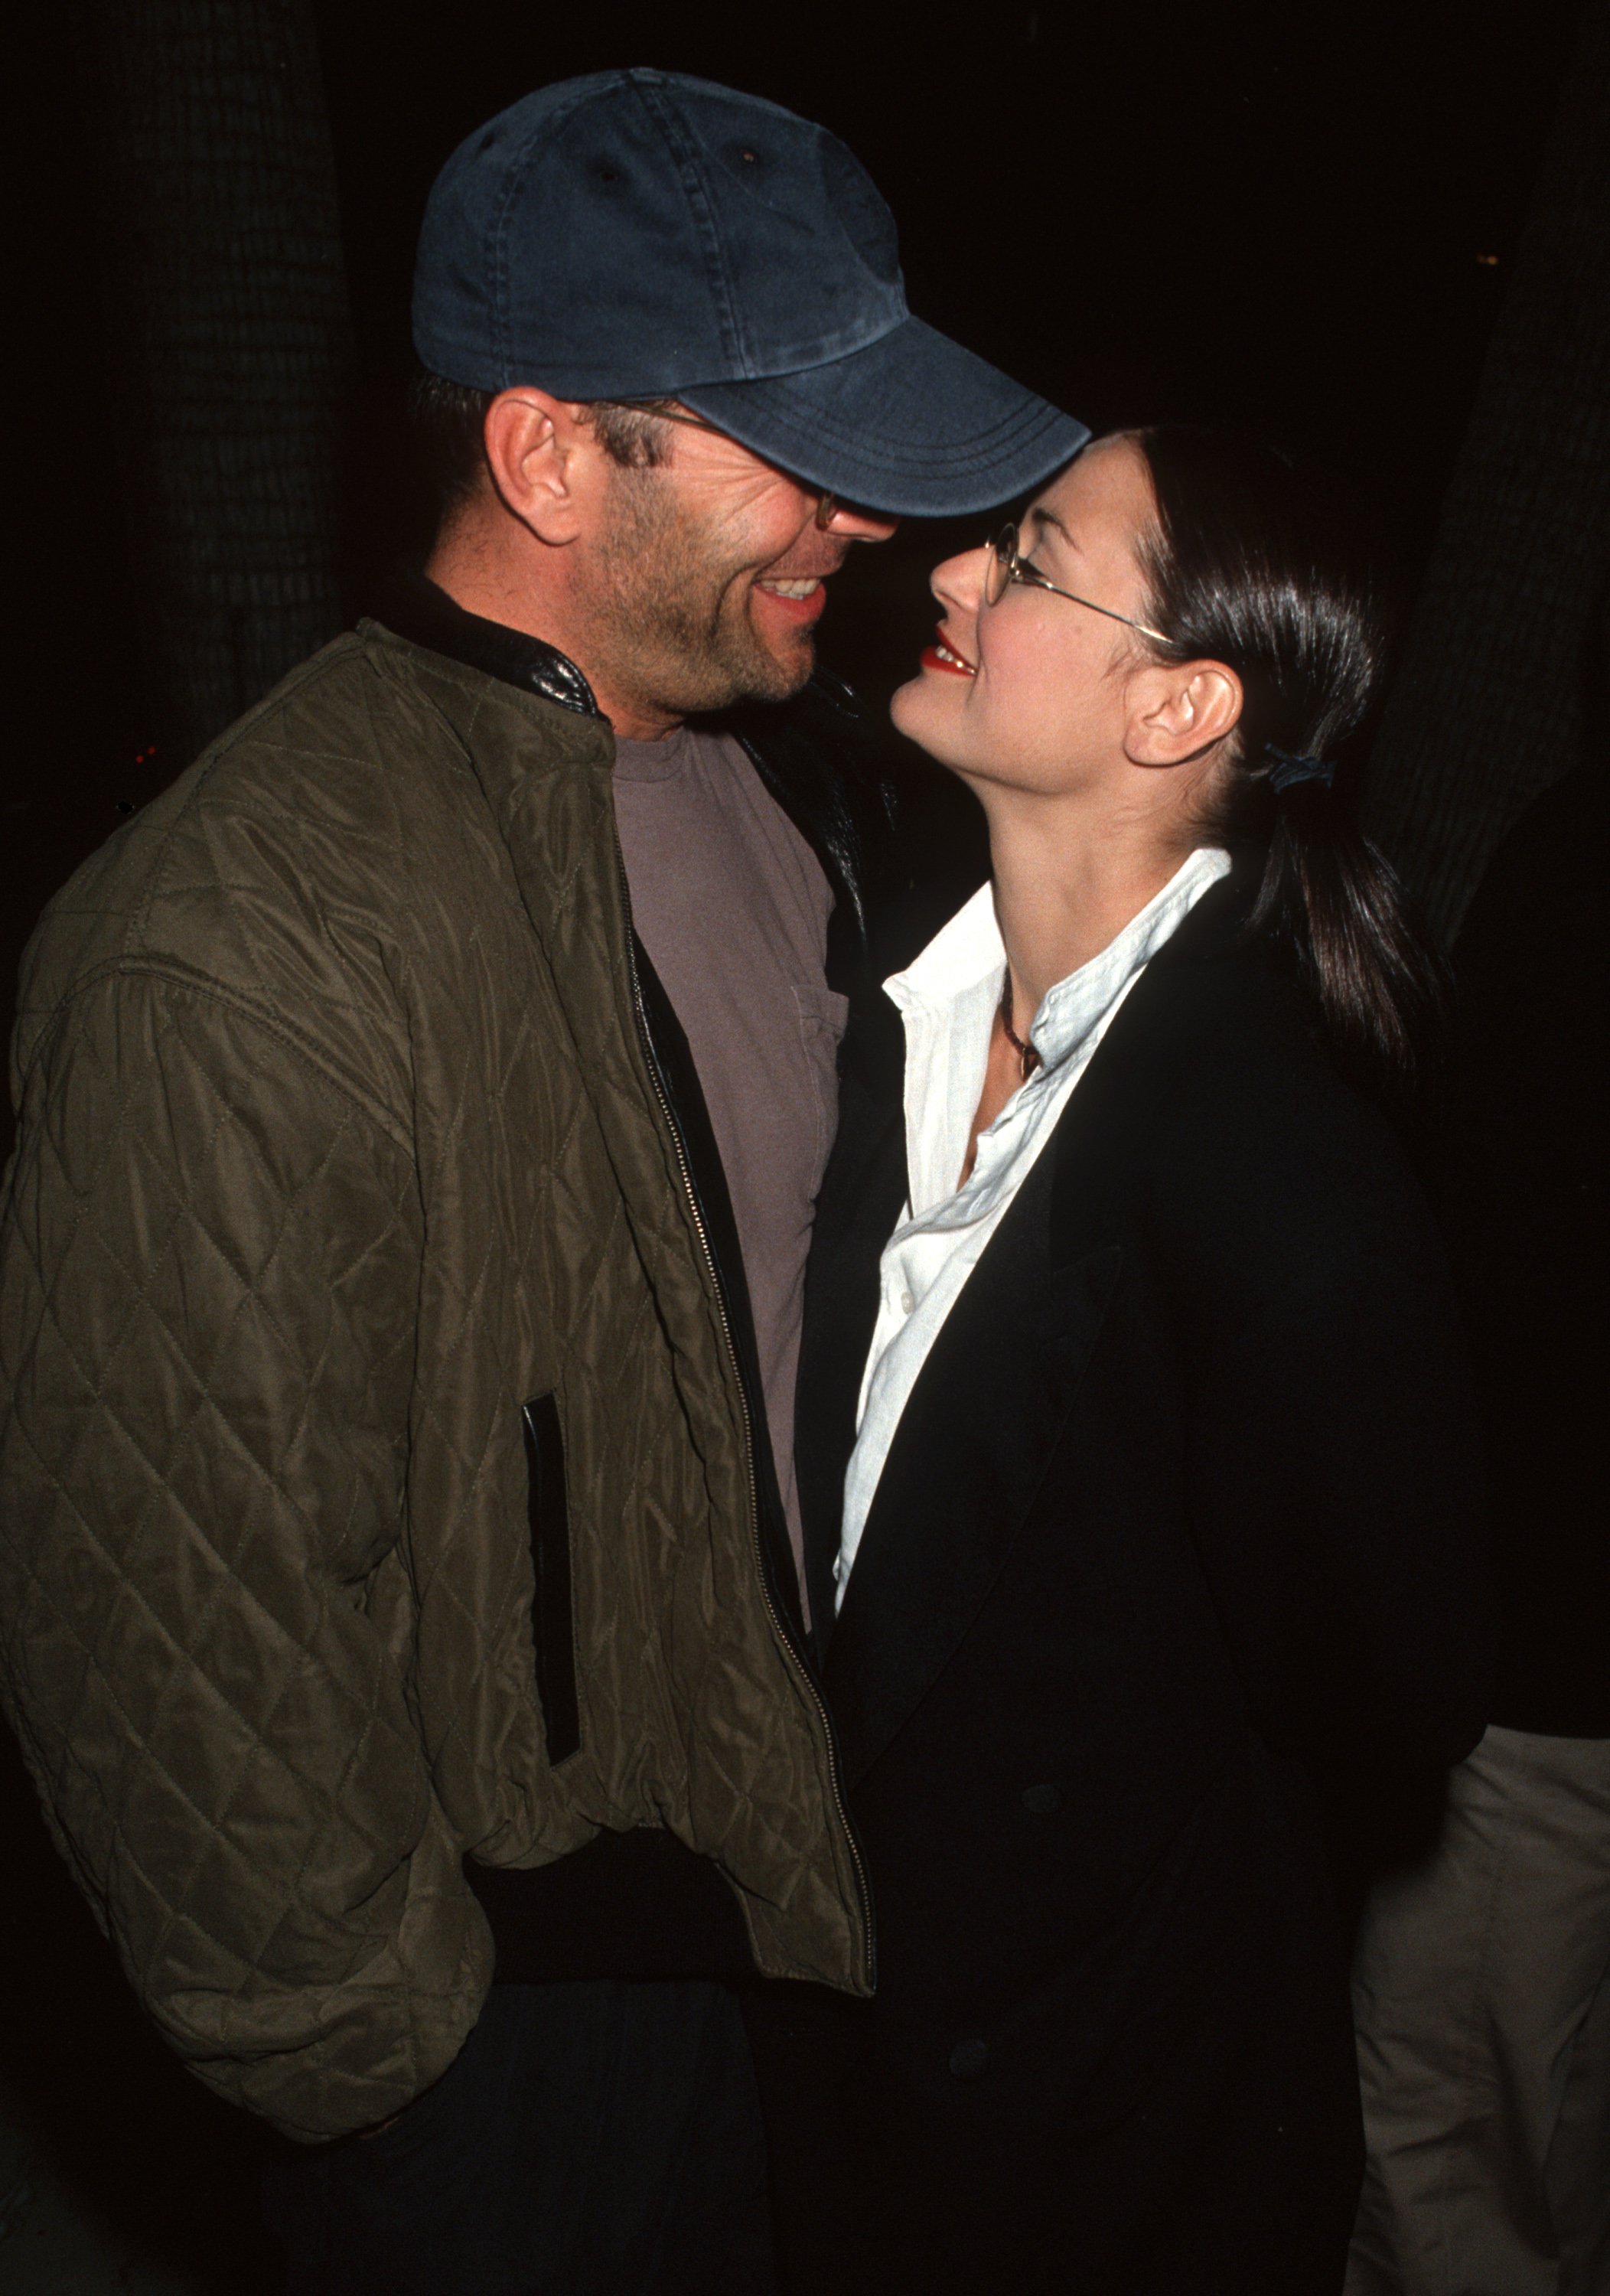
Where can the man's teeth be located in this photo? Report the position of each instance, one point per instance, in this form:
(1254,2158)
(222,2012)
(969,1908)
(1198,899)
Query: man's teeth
(801,589)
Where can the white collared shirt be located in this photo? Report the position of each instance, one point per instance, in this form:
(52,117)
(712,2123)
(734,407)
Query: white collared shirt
(948,1000)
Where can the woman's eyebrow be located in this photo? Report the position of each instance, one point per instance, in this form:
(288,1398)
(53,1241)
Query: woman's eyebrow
(1049,518)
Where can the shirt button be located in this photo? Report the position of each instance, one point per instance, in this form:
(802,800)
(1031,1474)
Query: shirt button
(907,1303)
(970,2059)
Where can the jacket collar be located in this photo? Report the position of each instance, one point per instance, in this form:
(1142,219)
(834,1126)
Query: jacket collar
(417,609)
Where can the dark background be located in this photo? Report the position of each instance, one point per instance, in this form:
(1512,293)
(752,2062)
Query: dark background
(1296,218)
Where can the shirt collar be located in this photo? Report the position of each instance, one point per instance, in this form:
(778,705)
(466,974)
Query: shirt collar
(968,953)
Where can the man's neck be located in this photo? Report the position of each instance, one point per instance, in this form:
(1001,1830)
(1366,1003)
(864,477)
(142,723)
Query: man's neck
(481,582)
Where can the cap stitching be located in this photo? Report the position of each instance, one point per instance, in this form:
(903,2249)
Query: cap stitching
(686,160)
(541,132)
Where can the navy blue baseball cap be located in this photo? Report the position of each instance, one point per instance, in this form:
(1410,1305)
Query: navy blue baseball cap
(640,234)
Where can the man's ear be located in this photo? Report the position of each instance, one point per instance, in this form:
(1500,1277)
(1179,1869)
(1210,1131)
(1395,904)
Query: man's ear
(542,453)
(1177,711)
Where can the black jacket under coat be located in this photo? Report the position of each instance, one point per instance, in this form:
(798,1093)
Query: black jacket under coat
(1171,1580)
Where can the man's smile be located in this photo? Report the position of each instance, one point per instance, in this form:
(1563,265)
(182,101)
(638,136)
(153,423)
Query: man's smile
(796,598)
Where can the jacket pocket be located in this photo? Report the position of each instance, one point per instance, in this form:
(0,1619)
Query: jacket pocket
(548,1517)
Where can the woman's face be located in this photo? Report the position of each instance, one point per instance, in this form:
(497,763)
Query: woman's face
(1030,692)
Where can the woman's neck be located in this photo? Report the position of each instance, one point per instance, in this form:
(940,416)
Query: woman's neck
(1065,885)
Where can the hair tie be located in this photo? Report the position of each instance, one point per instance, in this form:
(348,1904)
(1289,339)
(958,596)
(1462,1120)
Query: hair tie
(1287,770)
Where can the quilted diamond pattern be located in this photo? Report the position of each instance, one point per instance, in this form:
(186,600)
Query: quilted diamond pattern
(335,1146)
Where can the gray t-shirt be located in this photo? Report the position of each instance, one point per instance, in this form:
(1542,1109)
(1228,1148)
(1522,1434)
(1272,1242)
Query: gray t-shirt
(733,907)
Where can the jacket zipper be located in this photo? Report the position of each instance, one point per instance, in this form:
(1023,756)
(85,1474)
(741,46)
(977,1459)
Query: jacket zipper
(779,1624)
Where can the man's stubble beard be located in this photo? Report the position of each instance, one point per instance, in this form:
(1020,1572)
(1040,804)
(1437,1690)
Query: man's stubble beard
(672,622)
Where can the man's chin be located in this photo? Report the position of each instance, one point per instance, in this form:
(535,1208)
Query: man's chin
(762,676)
(784,675)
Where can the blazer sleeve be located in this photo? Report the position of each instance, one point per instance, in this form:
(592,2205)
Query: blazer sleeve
(1333,1472)
(207,1266)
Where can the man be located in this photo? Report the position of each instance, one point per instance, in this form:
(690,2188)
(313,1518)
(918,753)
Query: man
(421,1105)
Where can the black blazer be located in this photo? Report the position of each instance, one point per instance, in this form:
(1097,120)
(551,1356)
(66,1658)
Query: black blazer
(1171,1577)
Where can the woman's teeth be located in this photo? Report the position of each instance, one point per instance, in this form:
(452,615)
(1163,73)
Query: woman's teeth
(955,660)
(800,589)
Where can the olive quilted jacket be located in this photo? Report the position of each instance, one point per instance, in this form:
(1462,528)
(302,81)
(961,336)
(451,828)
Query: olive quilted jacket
(339,1149)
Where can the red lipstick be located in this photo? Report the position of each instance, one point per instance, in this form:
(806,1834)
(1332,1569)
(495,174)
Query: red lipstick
(942,655)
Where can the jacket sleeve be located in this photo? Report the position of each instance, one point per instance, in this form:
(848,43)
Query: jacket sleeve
(208,1273)
(1335,1476)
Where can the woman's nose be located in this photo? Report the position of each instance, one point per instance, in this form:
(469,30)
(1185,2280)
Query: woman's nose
(959,581)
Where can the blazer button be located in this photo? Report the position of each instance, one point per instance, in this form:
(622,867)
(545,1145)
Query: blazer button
(1042,1799)
(970,2059)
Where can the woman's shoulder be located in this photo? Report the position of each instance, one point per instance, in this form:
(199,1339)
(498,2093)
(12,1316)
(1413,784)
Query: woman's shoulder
(1223,1016)
(1241,1022)
(1259,1141)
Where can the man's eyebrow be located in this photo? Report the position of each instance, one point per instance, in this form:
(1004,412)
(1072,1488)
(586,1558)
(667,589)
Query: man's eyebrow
(1049,518)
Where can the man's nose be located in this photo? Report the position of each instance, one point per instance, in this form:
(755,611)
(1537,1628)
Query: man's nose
(853,523)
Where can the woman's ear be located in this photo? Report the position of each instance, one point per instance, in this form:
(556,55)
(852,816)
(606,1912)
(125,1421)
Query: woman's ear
(1177,711)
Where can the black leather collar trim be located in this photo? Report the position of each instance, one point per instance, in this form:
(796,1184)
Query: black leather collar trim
(416,608)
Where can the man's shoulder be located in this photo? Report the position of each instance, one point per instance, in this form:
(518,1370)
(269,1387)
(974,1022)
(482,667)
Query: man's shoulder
(331,798)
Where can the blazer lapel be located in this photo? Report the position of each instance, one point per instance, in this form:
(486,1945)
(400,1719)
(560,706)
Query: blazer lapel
(859,1201)
(967,1459)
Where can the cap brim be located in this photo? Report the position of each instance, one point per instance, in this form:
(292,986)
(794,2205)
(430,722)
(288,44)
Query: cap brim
(912,424)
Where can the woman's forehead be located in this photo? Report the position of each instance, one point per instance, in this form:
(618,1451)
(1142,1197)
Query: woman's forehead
(1103,487)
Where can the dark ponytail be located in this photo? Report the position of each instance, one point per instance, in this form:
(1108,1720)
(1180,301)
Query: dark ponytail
(1243,568)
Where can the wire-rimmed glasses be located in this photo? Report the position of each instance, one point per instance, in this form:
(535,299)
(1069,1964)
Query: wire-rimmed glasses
(1003,566)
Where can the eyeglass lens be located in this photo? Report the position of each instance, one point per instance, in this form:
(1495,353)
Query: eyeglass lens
(998,572)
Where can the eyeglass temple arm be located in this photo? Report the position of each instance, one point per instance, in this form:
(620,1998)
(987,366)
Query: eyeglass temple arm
(1017,571)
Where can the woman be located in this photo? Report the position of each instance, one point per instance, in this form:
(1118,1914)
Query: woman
(1134,1445)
